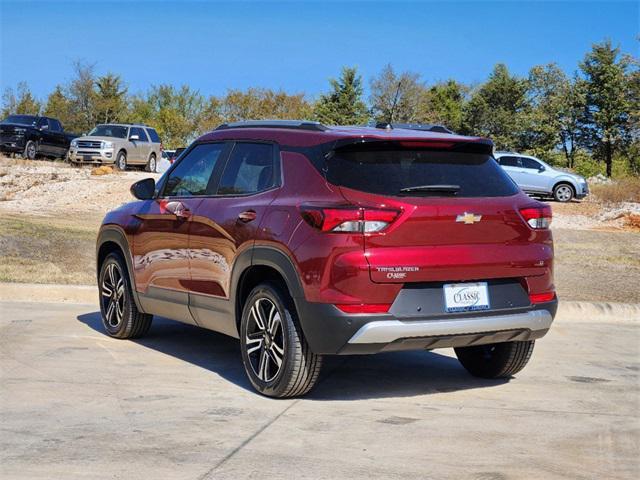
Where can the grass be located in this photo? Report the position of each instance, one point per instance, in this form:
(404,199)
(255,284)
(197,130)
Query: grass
(625,190)
(46,250)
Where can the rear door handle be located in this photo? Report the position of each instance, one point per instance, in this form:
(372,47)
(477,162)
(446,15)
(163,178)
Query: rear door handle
(247,216)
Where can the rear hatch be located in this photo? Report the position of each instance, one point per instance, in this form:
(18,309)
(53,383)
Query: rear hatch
(458,213)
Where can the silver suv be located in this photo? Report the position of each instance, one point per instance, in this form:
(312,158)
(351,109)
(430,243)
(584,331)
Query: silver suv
(120,144)
(538,178)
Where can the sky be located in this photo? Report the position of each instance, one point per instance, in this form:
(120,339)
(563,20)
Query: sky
(298,46)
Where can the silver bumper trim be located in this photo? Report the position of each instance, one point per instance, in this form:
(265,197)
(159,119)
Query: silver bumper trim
(386,331)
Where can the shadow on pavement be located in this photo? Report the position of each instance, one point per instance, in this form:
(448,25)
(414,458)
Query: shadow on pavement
(355,377)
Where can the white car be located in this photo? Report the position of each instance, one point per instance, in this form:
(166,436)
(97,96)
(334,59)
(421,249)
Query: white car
(536,177)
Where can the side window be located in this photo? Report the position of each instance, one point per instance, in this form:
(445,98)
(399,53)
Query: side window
(191,176)
(530,163)
(508,161)
(55,125)
(250,169)
(153,135)
(43,123)
(140,132)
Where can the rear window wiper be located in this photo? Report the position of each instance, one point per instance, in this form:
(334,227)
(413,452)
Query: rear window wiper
(447,189)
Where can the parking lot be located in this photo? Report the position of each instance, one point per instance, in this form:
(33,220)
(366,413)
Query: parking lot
(176,404)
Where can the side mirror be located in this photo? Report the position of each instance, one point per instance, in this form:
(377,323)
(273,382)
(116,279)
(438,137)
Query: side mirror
(541,169)
(143,189)
(44,127)
(134,138)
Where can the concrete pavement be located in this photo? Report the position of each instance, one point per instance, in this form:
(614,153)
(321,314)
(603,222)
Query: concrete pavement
(75,403)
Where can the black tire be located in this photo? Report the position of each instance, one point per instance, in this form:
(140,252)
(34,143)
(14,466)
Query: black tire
(123,319)
(497,360)
(152,165)
(121,161)
(563,192)
(30,150)
(299,366)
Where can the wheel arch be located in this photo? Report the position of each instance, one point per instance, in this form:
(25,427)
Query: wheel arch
(112,239)
(564,181)
(261,264)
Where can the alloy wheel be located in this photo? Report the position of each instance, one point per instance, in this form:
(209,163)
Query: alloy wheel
(112,295)
(564,193)
(265,339)
(31,151)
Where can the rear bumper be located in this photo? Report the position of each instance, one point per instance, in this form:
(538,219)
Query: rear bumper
(330,331)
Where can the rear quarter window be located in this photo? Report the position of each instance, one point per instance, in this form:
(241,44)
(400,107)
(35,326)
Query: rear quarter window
(388,171)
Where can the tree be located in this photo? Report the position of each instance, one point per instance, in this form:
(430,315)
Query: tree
(175,113)
(82,94)
(21,101)
(343,105)
(110,99)
(395,98)
(606,119)
(59,106)
(443,104)
(498,109)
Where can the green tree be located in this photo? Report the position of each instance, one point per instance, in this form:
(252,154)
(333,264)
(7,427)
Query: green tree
(395,98)
(175,113)
(343,105)
(19,101)
(82,94)
(498,109)
(110,101)
(59,106)
(443,104)
(606,119)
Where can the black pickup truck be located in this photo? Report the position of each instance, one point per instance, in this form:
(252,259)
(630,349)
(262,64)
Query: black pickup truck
(32,135)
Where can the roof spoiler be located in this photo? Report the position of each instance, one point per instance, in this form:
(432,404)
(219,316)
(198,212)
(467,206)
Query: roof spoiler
(424,127)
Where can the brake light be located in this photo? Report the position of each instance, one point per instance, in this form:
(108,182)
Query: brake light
(538,217)
(348,219)
(541,297)
(365,308)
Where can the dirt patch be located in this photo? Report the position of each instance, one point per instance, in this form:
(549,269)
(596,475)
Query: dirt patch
(45,188)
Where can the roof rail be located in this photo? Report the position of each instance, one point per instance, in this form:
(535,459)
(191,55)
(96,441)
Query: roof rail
(295,124)
(425,127)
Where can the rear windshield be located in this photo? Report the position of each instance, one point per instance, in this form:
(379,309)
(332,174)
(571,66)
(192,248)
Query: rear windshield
(419,173)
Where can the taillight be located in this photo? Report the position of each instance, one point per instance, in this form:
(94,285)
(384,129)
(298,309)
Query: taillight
(365,308)
(541,297)
(348,219)
(537,217)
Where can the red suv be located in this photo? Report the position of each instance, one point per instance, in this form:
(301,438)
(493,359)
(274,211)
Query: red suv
(304,240)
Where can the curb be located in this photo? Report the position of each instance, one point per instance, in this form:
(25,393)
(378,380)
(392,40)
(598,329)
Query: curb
(598,312)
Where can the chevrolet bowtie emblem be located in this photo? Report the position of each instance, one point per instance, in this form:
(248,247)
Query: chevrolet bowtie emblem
(468,218)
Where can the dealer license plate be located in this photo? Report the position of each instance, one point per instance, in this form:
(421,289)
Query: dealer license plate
(464,297)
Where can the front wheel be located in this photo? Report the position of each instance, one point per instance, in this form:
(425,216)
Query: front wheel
(30,150)
(275,354)
(497,360)
(121,161)
(120,315)
(563,193)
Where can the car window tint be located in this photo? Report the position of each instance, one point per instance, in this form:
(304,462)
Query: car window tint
(250,169)
(530,163)
(55,125)
(43,123)
(153,135)
(508,161)
(191,176)
(140,132)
